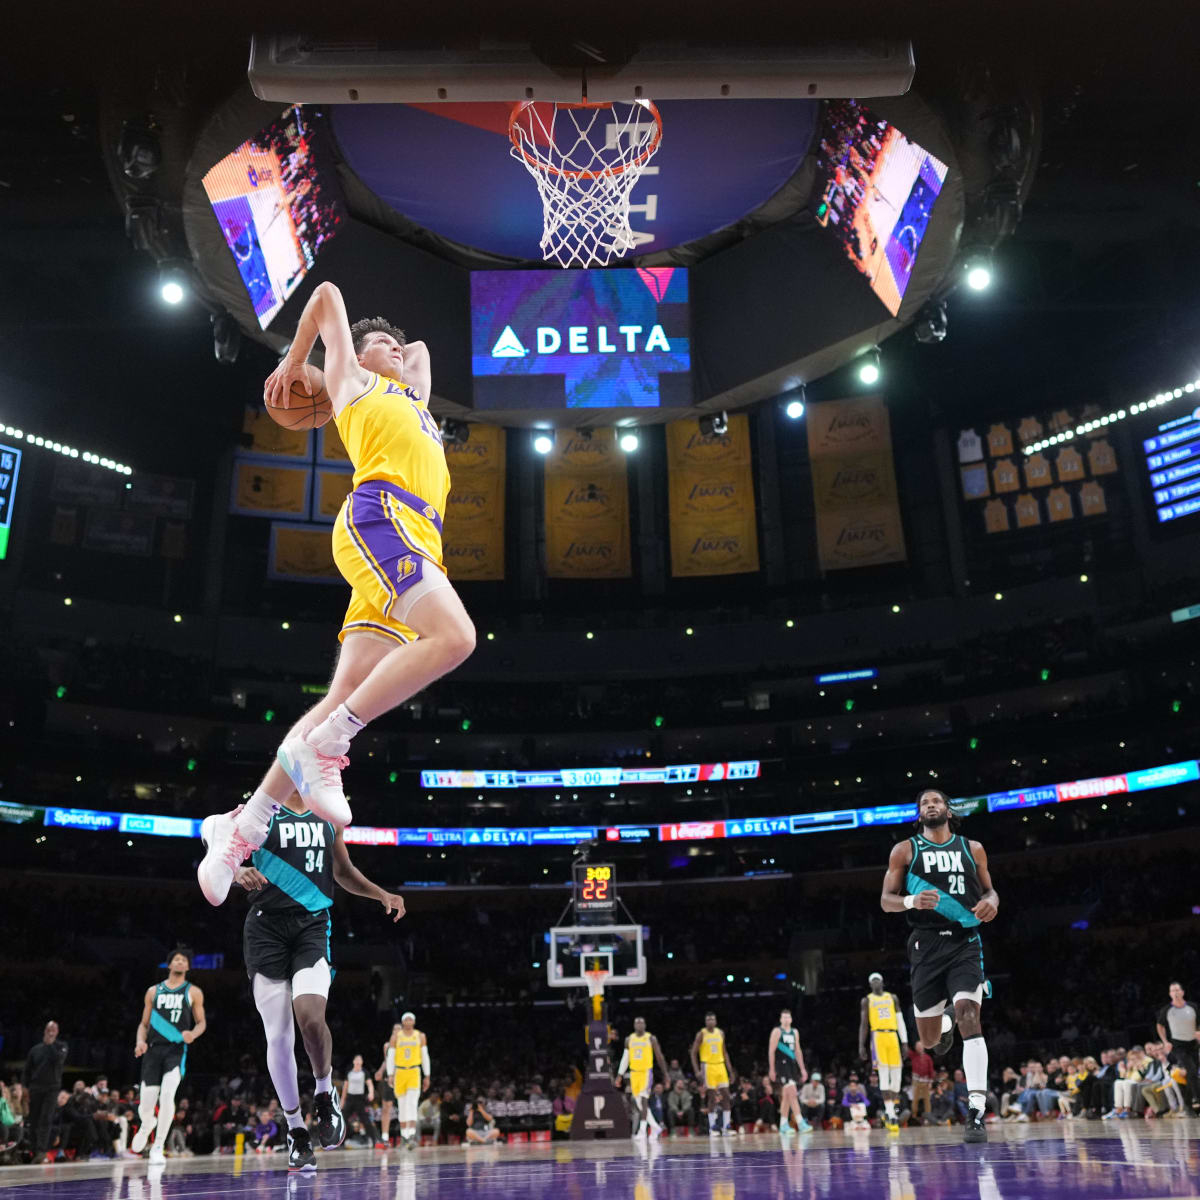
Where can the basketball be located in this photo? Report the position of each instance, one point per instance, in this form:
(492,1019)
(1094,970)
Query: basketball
(306,409)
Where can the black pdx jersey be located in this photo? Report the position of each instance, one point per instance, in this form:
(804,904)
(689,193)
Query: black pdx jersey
(171,1015)
(297,860)
(948,869)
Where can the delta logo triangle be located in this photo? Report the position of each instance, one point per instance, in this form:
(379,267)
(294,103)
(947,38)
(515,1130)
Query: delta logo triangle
(657,279)
(508,345)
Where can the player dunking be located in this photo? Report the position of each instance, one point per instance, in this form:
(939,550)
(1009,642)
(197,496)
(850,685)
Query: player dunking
(409,1070)
(785,1064)
(641,1052)
(882,1019)
(405,626)
(286,946)
(172,1019)
(711,1066)
(942,879)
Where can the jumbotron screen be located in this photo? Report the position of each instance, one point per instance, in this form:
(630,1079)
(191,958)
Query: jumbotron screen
(581,339)
(875,192)
(1173,467)
(277,201)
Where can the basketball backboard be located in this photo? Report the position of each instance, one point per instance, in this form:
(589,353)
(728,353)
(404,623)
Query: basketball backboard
(576,950)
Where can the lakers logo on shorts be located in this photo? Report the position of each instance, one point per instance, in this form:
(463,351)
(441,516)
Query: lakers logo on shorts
(404,568)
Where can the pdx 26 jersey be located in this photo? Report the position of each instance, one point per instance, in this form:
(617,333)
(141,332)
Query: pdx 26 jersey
(949,869)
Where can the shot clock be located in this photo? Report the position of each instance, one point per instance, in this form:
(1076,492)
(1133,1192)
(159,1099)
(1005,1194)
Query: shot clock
(595,893)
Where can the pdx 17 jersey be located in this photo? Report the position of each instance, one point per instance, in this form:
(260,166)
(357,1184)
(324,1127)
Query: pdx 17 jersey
(948,869)
(171,1015)
(297,860)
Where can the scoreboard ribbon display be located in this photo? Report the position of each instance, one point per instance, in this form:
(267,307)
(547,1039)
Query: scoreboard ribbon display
(1164,775)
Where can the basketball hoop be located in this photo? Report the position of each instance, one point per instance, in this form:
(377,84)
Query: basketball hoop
(595,986)
(586,159)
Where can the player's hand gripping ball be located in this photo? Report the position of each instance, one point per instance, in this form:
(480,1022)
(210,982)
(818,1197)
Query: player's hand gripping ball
(295,396)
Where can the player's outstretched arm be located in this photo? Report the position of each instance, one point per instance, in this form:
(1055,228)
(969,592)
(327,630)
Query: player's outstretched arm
(350,879)
(323,315)
(989,902)
(143,1029)
(417,371)
(201,1021)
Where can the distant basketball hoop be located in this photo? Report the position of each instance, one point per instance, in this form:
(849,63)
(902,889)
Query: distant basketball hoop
(586,159)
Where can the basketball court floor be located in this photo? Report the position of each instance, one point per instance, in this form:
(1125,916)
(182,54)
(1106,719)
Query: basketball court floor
(1126,1159)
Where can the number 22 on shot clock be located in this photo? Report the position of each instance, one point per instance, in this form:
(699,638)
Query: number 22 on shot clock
(595,888)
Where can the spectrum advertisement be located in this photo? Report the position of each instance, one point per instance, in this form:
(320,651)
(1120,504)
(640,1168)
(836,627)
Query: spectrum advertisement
(581,339)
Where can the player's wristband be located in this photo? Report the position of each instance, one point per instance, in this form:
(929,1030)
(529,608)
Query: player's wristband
(909,901)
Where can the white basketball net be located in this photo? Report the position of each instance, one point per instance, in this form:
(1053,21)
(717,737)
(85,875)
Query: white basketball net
(586,160)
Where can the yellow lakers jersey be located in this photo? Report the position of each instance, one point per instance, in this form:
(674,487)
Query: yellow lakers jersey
(712,1046)
(407,1047)
(641,1054)
(390,434)
(881,1012)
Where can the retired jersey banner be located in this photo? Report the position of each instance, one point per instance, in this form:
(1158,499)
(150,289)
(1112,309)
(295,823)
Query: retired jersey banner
(587,507)
(473,525)
(332,489)
(269,438)
(714,529)
(302,553)
(854,484)
(266,490)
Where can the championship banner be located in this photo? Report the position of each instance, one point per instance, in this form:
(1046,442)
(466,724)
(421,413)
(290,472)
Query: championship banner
(332,488)
(587,507)
(330,447)
(269,438)
(301,554)
(854,484)
(473,524)
(714,528)
(264,490)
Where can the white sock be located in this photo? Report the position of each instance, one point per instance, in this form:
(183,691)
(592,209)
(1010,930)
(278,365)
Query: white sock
(256,816)
(725,1115)
(332,736)
(712,1119)
(295,1118)
(889,1107)
(975,1065)
(325,1083)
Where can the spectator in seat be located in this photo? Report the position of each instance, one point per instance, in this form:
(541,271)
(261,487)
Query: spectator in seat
(745,1106)
(812,1101)
(1127,1090)
(941,1107)
(14,1108)
(453,1123)
(768,1108)
(679,1106)
(854,1104)
(658,1105)
(874,1097)
(922,1079)
(429,1116)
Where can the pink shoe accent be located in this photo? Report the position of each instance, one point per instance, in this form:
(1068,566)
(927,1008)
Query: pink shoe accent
(331,768)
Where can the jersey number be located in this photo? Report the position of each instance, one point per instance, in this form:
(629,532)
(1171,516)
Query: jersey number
(175,1014)
(957,885)
(314,860)
(428,424)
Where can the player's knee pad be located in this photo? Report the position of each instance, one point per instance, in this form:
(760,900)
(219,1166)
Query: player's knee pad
(273,999)
(313,981)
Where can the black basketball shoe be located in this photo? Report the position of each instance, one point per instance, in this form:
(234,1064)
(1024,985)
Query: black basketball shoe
(300,1150)
(976,1130)
(331,1125)
(946,1040)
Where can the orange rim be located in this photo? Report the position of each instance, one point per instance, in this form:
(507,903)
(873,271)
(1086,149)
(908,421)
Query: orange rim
(516,138)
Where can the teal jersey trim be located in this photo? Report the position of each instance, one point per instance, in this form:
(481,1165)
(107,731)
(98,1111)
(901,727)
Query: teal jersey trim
(785,1048)
(950,908)
(164,1028)
(291,882)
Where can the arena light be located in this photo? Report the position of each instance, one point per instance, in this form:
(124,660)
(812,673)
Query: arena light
(629,442)
(543,443)
(869,367)
(45,443)
(1117,414)
(795,405)
(714,424)
(977,270)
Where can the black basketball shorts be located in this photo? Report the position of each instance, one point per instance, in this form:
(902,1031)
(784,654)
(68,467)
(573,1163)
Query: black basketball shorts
(161,1059)
(944,963)
(787,1070)
(278,944)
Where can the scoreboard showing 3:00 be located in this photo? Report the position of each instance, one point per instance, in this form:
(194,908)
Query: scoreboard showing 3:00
(595,893)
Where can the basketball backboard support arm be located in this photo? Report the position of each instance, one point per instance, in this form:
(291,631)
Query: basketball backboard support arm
(292,68)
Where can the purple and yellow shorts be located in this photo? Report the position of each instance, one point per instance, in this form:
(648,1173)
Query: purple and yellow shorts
(387,544)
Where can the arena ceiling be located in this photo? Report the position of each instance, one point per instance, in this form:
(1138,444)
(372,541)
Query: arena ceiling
(1097,286)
